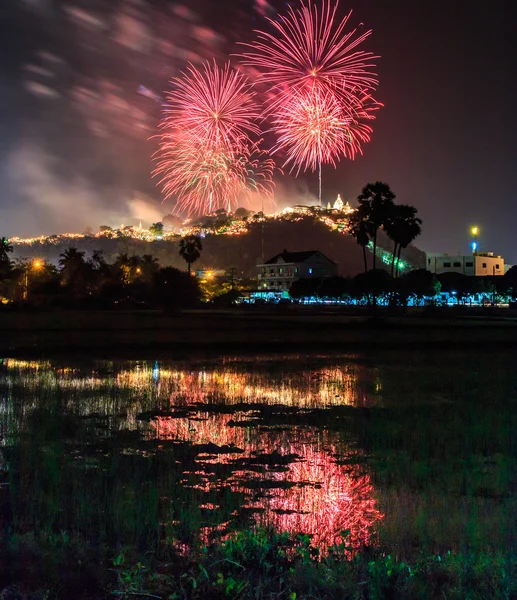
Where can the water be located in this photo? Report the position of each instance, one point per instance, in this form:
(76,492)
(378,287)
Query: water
(400,451)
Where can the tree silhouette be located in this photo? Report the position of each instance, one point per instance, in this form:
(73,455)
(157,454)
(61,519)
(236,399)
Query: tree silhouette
(359,230)
(375,206)
(75,271)
(156,229)
(190,249)
(5,248)
(402,226)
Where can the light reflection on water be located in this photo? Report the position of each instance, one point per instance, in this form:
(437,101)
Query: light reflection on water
(287,477)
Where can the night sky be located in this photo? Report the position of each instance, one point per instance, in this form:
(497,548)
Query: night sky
(71,158)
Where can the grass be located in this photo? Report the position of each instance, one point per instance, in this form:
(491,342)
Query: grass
(95,507)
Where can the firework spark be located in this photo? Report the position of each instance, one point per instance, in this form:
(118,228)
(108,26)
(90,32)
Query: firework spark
(205,177)
(319,85)
(207,159)
(310,47)
(313,128)
(214,104)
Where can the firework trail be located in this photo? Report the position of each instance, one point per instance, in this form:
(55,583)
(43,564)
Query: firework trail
(207,159)
(319,85)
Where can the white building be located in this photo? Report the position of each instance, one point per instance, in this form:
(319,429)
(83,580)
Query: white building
(281,271)
(479,264)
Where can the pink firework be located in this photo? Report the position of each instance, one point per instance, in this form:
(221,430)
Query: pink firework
(215,104)
(313,128)
(207,159)
(310,46)
(319,85)
(205,177)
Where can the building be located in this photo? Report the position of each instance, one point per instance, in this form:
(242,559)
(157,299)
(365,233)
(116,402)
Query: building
(478,264)
(281,271)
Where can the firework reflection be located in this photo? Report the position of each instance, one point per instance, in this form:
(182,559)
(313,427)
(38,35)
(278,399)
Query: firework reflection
(291,478)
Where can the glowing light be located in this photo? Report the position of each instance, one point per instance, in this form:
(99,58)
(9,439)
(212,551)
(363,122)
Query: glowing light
(313,128)
(475,230)
(319,85)
(207,159)
(310,44)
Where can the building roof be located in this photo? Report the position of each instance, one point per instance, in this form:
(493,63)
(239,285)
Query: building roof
(295,257)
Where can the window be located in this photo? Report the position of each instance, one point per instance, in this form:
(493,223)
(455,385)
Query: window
(280,270)
(497,266)
(469,264)
(457,264)
(484,265)
(446,265)
(296,270)
(428,261)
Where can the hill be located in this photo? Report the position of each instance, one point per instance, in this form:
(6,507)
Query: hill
(226,248)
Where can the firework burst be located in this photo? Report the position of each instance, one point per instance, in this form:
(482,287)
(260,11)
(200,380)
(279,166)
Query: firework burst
(309,46)
(207,159)
(319,85)
(312,128)
(204,177)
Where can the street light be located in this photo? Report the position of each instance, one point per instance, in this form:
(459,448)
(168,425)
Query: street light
(474,245)
(37,264)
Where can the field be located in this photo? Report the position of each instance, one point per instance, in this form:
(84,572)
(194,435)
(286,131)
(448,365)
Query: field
(258,456)
(253,331)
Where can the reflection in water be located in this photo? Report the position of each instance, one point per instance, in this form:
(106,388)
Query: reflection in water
(303,489)
(280,381)
(239,466)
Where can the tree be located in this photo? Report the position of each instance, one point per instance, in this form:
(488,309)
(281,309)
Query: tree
(156,229)
(335,288)
(190,249)
(149,265)
(5,248)
(359,230)
(75,271)
(375,207)
(242,213)
(375,283)
(175,289)
(402,227)
(419,283)
(305,288)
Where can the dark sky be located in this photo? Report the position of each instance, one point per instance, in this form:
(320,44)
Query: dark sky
(442,141)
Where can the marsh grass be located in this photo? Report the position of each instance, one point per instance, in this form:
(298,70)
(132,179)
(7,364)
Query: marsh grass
(92,508)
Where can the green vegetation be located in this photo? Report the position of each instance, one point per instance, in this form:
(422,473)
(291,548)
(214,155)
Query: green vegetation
(101,499)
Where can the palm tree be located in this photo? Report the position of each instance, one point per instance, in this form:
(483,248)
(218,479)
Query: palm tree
(376,204)
(73,269)
(71,257)
(149,265)
(190,249)
(5,249)
(359,230)
(401,225)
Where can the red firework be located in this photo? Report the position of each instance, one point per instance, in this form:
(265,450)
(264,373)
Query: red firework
(310,46)
(204,177)
(207,159)
(319,85)
(313,128)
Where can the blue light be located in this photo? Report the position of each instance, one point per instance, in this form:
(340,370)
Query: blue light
(453,292)
(156,371)
(474,246)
